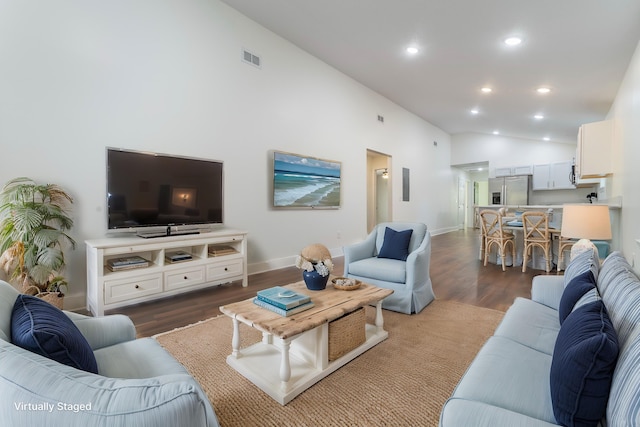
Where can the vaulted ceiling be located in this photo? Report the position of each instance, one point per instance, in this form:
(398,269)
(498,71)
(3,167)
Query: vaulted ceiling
(579,49)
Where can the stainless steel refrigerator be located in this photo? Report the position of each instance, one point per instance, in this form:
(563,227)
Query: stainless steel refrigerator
(509,190)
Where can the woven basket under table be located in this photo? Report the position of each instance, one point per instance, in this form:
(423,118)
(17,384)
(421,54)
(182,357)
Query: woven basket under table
(346,333)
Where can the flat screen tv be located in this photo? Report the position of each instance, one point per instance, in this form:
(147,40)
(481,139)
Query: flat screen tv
(147,190)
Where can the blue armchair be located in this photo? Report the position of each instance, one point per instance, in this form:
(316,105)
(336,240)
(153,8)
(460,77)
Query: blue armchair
(138,382)
(410,281)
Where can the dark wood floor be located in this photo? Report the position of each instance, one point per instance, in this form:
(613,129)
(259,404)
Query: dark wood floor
(456,273)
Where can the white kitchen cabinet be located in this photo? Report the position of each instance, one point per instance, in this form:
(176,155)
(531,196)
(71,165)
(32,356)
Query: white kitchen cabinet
(540,179)
(215,258)
(553,176)
(594,149)
(503,172)
(522,170)
(513,171)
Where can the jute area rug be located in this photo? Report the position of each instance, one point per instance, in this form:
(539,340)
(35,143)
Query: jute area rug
(403,381)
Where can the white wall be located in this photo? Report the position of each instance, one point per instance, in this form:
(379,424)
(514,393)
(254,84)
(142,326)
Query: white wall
(166,76)
(501,151)
(626,173)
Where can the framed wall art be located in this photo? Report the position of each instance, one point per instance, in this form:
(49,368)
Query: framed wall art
(305,182)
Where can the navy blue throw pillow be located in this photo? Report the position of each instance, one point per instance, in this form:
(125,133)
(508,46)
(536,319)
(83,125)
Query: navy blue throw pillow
(395,244)
(582,366)
(577,287)
(41,328)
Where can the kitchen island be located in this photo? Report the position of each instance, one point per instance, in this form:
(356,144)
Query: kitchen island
(555,222)
(556,218)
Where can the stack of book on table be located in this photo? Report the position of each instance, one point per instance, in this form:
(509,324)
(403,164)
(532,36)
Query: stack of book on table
(283,301)
(126,263)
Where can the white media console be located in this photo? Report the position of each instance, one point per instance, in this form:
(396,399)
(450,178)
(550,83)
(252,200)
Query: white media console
(217,257)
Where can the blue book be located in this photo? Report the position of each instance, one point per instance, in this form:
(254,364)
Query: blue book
(284,298)
(281,312)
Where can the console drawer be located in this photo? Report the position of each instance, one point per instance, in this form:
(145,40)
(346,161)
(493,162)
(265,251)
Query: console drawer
(224,269)
(182,278)
(131,288)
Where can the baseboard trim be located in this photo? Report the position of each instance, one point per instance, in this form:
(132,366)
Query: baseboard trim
(274,264)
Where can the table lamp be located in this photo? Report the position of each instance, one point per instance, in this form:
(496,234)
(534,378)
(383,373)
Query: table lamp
(586,221)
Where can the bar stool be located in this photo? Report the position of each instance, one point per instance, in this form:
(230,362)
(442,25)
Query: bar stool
(535,226)
(564,244)
(493,234)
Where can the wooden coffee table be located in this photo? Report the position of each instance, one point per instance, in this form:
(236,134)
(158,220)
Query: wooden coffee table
(293,354)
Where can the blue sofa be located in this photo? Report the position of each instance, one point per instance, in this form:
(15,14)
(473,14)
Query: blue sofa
(138,382)
(521,375)
(410,280)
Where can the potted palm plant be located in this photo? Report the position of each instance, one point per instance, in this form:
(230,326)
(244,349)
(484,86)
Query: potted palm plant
(34,222)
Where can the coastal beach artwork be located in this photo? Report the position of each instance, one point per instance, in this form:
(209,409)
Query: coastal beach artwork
(305,182)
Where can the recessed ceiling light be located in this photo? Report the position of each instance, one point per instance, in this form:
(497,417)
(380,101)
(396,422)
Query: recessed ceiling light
(474,111)
(538,117)
(495,132)
(486,89)
(512,41)
(543,90)
(412,50)
(546,138)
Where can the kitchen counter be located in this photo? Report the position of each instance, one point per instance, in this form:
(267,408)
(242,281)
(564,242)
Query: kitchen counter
(518,207)
(614,204)
(615,211)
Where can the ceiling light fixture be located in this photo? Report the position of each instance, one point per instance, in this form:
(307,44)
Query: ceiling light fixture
(412,50)
(475,111)
(546,138)
(486,89)
(543,90)
(495,132)
(538,117)
(512,41)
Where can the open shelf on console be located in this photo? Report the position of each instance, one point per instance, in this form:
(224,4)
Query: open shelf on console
(211,258)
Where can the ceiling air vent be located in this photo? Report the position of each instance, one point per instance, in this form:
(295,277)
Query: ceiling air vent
(250,58)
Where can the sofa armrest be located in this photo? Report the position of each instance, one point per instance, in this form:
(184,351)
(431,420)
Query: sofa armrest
(358,251)
(547,290)
(77,398)
(104,331)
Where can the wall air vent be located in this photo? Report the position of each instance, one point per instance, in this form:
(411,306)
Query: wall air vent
(250,58)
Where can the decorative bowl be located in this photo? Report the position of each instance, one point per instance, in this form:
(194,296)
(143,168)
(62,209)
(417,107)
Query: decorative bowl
(346,284)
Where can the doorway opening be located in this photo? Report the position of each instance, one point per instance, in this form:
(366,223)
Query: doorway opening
(474,194)
(379,185)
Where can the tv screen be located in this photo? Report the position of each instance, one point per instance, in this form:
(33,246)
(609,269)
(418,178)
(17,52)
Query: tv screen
(152,190)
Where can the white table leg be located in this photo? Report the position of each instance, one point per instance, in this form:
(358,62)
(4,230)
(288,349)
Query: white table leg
(235,339)
(285,366)
(267,338)
(379,319)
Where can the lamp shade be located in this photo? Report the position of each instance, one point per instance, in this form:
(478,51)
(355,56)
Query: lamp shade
(586,221)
